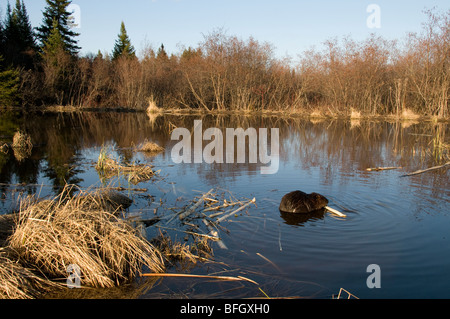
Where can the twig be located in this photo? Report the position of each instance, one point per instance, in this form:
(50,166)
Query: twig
(215,234)
(195,206)
(269,261)
(349,294)
(226,278)
(381,168)
(279,237)
(189,232)
(236,211)
(426,170)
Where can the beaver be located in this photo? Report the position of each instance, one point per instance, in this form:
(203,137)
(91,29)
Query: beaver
(301,203)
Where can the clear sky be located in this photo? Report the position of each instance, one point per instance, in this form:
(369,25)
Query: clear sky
(291,26)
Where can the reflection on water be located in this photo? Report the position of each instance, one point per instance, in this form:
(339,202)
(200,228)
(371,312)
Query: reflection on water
(300,219)
(398,223)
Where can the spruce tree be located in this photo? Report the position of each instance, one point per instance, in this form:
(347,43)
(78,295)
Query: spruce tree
(56,10)
(123,47)
(54,43)
(2,35)
(162,55)
(9,85)
(19,44)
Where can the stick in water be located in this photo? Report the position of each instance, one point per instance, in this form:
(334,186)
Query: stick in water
(236,211)
(335,212)
(426,170)
(226,278)
(195,206)
(215,234)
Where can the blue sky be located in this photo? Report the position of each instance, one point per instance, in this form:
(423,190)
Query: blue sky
(291,26)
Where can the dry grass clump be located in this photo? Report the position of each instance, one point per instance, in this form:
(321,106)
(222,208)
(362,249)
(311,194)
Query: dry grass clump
(108,250)
(103,199)
(18,282)
(7,223)
(408,114)
(152,107)
(4,148)
(355,114)
(22,146)
(109,168)
(150,147)
(22,140)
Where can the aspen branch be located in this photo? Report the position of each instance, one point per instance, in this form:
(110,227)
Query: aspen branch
(426,170)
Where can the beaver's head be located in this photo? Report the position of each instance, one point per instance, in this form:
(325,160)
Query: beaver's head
(318,201)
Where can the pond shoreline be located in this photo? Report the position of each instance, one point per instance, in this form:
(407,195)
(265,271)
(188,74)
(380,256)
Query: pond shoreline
(312,114)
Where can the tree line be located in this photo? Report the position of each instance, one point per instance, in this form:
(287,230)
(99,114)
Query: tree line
(42,66)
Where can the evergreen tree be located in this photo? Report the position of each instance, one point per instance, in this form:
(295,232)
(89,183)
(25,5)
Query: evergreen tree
(162,55)
(123,47)
(19,44)
(54,43)
(56,10)
(26,30)
(9,85)
(2,36)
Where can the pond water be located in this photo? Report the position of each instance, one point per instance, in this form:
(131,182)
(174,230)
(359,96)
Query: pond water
(399,223)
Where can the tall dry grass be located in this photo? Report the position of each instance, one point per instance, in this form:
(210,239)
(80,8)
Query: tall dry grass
(18,282)
(52,235)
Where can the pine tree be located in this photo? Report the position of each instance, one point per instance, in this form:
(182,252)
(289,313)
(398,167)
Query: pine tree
(56,10)
(19,44)
(123,47)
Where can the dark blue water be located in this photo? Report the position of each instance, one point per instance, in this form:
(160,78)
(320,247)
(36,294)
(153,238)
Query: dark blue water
(399,223)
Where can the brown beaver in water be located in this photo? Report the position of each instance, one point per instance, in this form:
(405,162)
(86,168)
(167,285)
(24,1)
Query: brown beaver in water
(300,203)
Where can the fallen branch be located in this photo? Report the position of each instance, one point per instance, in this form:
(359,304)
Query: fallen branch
(226,278)
(426,170)
(195,206)
(214,233)
(381,169)
(253,201)
(190,233)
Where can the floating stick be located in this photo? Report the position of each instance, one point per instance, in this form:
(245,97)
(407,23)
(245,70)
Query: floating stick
(426,170)
(381,168)
(227,278)
(195,206)
(236,211)
(335,212)
(215,234)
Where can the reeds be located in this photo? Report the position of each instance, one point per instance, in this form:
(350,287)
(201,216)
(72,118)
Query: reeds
(108,168)
(107,249)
